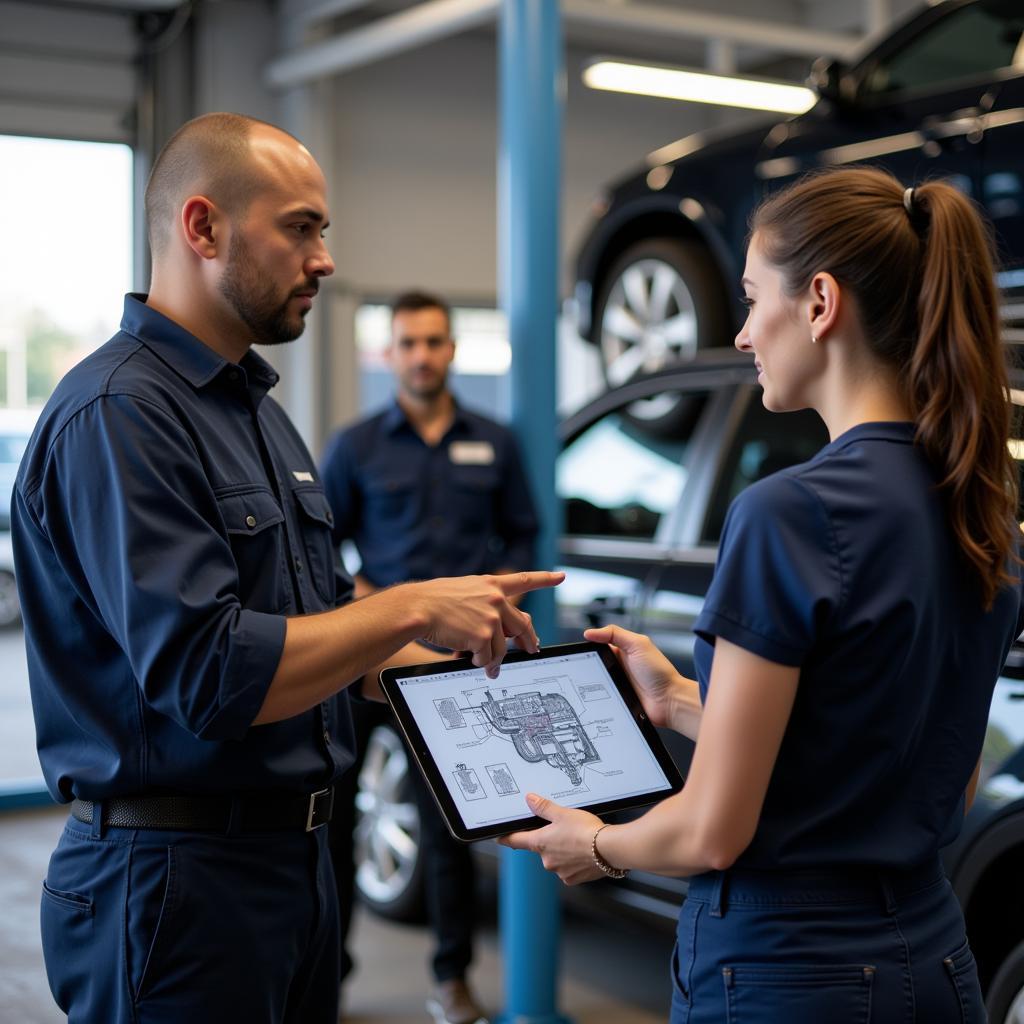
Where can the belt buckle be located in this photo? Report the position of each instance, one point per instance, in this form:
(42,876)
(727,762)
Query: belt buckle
(311,813)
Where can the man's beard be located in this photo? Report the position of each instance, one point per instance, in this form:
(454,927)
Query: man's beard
(255,299)
(424,392)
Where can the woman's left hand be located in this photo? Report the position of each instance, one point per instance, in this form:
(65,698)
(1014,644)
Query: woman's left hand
(564,845)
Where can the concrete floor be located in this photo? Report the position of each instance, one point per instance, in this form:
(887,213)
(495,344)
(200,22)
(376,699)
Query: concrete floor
(610,974)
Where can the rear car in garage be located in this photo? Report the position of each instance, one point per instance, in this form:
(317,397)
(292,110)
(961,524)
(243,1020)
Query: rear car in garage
(645,501)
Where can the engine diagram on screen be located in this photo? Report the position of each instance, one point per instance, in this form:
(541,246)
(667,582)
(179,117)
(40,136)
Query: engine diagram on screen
(541,723)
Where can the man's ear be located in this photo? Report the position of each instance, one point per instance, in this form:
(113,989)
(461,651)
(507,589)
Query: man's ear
(823,301)
(202,225)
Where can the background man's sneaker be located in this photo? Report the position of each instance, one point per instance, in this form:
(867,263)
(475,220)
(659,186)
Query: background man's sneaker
(452,1003)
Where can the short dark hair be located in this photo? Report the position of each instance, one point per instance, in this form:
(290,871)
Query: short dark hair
(209,154)
(413,301)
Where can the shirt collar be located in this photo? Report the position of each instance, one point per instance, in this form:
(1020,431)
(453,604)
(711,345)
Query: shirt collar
(890,430)
(183,352)
(395,418)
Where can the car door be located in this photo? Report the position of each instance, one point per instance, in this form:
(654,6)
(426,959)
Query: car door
(620,477)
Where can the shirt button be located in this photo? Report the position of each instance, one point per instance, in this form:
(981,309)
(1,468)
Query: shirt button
(233,375)
(250,521)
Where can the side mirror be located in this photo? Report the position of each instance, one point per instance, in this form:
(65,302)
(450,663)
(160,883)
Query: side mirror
(826,79)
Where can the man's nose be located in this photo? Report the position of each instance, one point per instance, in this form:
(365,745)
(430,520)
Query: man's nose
(320,264)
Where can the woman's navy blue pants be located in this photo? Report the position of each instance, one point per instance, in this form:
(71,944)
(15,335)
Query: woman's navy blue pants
(823,947)
(146,926)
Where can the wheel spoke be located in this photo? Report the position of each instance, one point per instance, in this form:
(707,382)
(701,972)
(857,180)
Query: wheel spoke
(406,815)
(662,287)
(681,330)
(399,843)
(626,365)
(620,322)
(634,284)
(394,774)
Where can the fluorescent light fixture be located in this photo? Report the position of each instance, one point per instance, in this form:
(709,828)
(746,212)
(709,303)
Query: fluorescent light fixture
(698,87)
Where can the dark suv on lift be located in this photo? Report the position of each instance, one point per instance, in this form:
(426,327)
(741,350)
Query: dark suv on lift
(941,96)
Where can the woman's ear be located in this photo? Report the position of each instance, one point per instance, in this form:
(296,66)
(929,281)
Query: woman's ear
(823,301)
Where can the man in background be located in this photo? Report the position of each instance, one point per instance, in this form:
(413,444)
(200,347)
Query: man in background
(427,487)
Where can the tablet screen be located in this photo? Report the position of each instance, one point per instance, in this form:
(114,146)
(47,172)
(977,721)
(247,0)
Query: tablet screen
(557,726)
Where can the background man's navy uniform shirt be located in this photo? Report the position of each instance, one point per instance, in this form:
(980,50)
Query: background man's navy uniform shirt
(846,566)
(417,512)
(166,518)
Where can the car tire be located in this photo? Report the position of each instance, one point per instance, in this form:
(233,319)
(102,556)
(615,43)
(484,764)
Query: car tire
(10,605)
(660,303)
(388,849)
(1005,997)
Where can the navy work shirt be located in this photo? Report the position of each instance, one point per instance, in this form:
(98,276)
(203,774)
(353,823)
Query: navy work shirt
(847,567)
(417,512)
(167,517)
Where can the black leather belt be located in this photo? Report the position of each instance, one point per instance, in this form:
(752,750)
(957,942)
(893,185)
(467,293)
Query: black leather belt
(214,814)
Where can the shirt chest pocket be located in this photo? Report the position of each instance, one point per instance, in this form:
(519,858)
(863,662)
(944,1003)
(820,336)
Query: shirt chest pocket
(255,527)
(474,492)
(315,523)
(391,498)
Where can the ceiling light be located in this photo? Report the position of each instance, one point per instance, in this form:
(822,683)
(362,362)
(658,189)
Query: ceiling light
(698,87)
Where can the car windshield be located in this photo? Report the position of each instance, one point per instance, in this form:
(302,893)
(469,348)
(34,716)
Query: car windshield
(972,41)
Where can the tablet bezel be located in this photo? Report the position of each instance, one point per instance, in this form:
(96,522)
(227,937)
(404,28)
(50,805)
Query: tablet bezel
(435,781)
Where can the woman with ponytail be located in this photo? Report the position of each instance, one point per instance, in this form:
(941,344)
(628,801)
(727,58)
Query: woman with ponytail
(862,606)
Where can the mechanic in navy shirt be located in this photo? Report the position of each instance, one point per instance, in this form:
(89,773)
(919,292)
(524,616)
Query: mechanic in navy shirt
(185,642)
(426,488)
(861,609)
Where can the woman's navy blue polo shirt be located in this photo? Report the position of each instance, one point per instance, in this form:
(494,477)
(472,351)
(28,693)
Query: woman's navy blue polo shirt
(847,567)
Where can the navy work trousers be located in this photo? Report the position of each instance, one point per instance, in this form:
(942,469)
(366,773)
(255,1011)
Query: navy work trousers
(829,947)
(158,927)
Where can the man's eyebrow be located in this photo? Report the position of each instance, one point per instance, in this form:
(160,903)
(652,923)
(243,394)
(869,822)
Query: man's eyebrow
(310,214)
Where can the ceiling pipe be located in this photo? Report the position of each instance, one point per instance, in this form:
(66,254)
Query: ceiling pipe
(386,37)
(436,19)
(328,9)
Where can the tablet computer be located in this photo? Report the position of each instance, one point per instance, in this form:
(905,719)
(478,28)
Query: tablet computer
(564,723)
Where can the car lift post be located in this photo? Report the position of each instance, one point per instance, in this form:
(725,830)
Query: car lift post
(531,89)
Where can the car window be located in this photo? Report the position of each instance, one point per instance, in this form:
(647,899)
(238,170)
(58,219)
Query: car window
(973,41)
(622,474)
(765,443)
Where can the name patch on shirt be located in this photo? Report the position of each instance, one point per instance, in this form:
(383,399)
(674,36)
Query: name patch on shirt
(303,476)
(471,453)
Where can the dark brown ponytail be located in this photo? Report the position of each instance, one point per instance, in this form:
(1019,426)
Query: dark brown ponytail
(920,267)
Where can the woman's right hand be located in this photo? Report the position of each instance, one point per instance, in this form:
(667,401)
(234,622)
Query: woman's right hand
(651,673)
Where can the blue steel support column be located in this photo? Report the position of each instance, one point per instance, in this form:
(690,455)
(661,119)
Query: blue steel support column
(529,172)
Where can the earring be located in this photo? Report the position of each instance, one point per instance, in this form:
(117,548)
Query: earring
(814,340)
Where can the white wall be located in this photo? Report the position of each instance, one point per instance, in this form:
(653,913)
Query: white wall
(414,184)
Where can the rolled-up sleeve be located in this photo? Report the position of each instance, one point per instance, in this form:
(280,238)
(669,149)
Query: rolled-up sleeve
(128,511)
(778,578)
